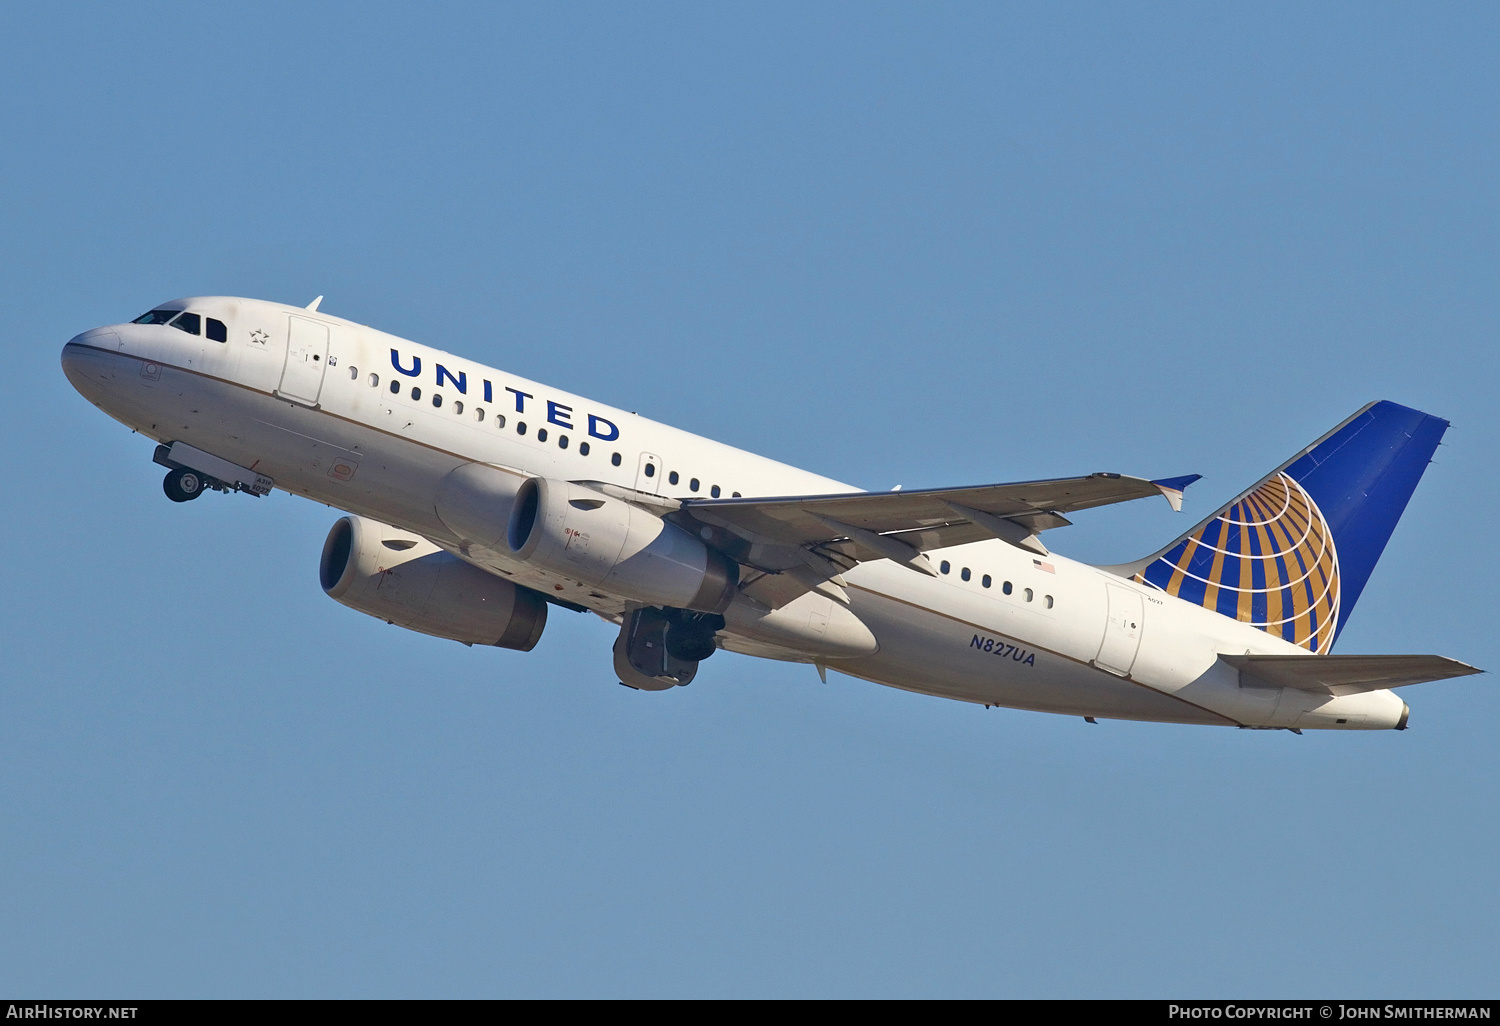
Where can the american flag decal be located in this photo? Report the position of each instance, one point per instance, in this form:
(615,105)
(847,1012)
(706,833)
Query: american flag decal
(1046,567)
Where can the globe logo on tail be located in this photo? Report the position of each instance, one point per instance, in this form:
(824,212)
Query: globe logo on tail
(1268,560)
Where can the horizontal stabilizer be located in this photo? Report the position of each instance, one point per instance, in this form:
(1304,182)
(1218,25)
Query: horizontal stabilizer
(1345,674)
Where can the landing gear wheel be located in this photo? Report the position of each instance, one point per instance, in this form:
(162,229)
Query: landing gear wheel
(690,642)
(183,485)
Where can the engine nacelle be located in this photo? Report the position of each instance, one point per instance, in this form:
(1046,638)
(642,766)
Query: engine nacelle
(474,502)
(408,581)
(609,544)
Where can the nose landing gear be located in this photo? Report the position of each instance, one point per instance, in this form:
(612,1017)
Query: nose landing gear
(183,485)
(194,471)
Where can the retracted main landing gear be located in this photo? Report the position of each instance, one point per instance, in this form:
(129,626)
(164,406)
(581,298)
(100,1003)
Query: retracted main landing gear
(661,648)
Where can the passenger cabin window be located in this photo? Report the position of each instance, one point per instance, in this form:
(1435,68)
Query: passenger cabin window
(985,580)
(395,387)
(156,317)
(190,323)
(374,380)
(1047,601)
(583,448)
(437,400)
(672,478)
(1006,587)
(416,393)
(353,373)
(458,406)
(693,485)
(562,441)
(714,491)
(614,460)
(479,413)
(541,434)
(945,566)
(964,573)
(1028,595)
(651,470)
(520,427)
(218,333)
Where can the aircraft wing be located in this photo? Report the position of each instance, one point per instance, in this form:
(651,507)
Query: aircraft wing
(1347,674)
(860,526)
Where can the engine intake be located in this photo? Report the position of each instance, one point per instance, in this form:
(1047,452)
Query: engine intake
(406,580)
(606,543)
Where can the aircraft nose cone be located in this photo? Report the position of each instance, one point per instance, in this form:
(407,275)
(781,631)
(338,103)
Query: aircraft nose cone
(85,358)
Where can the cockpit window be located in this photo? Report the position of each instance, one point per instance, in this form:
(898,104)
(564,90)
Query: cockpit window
(156,317)
(190,323)
(218,333)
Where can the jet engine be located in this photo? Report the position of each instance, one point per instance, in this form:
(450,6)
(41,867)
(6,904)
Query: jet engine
(609,544)
(408,581)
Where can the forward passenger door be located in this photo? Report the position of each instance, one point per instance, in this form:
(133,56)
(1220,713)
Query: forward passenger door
(306,361)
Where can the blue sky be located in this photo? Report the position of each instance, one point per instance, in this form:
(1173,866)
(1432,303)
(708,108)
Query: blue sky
(919,245)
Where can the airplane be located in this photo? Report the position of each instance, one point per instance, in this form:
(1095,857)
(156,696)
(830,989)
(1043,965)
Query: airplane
(478,500)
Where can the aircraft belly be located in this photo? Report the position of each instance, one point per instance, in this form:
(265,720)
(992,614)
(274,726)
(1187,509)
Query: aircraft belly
(314,453)
(928,652)
(311,453)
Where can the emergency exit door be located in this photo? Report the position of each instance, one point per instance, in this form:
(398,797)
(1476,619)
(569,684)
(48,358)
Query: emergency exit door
(648,474)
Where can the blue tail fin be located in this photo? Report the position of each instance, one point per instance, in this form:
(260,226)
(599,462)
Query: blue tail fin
(1292,554)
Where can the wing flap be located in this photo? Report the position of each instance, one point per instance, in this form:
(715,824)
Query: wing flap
(1346,674)
(922,519)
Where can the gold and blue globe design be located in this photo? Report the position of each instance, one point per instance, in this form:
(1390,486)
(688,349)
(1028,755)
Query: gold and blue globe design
(1268,560)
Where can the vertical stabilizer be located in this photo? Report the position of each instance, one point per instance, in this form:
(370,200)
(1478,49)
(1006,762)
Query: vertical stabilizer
(1292,555)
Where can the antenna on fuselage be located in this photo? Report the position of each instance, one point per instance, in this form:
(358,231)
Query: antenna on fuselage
(314,304)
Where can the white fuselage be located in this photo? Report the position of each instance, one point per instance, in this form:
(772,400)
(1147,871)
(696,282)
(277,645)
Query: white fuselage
(1070,639)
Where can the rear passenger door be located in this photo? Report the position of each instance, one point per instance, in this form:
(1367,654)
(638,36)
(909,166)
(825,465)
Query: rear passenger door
(1122,631)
